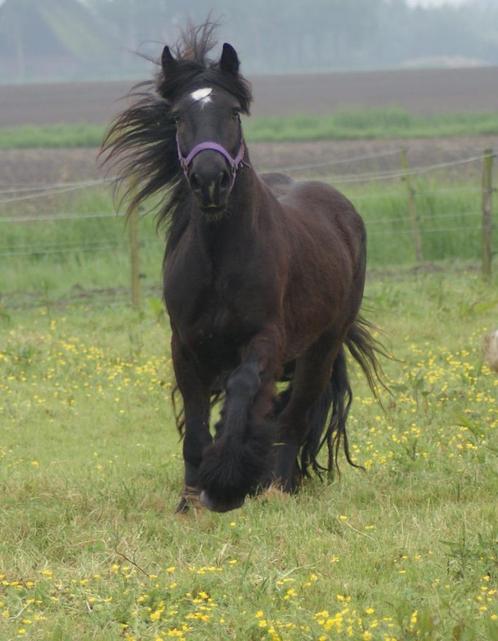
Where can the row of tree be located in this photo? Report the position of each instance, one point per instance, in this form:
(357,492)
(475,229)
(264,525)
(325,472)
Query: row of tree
(293,35)
(271,35)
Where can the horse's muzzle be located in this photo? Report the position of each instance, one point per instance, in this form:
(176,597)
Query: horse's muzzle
(210,182)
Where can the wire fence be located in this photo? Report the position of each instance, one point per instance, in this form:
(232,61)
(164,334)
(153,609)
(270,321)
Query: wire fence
(417,215)
(51,189)
(59,216)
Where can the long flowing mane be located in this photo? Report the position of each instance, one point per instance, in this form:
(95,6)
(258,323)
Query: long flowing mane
(140,145)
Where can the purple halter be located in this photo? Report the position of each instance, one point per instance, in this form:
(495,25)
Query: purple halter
(235,163)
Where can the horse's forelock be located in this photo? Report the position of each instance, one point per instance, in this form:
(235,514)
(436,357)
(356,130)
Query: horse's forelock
(196,42)
(140,145)
(194,68)
(188,76)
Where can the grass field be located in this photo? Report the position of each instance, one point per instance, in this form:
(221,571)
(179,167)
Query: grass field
(90,472)
(53,258)
(344,125)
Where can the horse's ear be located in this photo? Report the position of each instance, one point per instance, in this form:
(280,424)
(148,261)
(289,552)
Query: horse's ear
(229,60)
(168,63)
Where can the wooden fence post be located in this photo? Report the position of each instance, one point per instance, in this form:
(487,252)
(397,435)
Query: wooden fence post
(133,231)
(412,207)
(487,213)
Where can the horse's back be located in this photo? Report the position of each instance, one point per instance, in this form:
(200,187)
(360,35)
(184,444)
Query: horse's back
(323,210)
(312,198)
(321,226)
(279,184)
(324,241)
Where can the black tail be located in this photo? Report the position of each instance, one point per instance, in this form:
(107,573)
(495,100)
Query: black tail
(338,396)
(366,349)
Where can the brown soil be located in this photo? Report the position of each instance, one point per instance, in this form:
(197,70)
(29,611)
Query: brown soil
(419,91)
(41,166)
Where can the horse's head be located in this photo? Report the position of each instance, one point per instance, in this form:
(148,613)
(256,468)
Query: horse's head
(208,129)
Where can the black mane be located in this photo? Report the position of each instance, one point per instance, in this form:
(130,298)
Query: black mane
(140,145)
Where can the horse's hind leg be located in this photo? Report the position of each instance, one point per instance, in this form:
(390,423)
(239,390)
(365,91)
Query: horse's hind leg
(309,386)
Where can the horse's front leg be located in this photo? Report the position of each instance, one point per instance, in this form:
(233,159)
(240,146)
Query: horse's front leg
(240,458)
(195,390)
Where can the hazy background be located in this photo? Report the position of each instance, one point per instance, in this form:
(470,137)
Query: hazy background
(52,40)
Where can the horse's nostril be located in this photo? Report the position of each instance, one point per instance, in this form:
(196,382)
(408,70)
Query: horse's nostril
(224,179)
(195,183)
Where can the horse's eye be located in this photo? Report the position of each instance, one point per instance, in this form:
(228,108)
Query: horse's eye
(177,119)
(236,114)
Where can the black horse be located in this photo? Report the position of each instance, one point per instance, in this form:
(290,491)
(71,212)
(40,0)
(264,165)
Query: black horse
(263,281)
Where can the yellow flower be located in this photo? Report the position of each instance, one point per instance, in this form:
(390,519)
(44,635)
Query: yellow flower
(156,615)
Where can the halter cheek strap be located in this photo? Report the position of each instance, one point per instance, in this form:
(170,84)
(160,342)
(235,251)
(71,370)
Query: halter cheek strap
(234,163)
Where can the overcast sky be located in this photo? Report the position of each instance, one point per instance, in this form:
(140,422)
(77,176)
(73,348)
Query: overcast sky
(436,3)
(427,3)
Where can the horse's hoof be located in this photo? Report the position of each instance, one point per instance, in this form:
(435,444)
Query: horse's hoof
(190,499)
(214,506)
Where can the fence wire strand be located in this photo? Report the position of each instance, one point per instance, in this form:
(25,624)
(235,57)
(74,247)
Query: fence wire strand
(31,192)
(62,188)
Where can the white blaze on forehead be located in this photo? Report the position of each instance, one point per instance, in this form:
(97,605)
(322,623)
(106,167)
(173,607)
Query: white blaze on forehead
(203,95)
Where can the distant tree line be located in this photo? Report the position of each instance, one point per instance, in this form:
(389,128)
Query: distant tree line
(293,35)
(101,37)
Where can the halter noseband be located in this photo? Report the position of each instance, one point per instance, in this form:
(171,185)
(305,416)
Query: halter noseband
(235,163)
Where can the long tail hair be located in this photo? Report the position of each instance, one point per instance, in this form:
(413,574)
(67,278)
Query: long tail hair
(337,398)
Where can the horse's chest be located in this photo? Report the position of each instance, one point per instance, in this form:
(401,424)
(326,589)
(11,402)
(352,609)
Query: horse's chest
(216,318)
(212,318)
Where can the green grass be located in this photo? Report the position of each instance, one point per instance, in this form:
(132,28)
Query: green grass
(51,259)
(353,125)
(51,136)
(369,124)
(90,471)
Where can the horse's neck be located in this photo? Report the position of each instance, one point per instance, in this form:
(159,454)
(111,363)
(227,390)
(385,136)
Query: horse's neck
(238,225)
